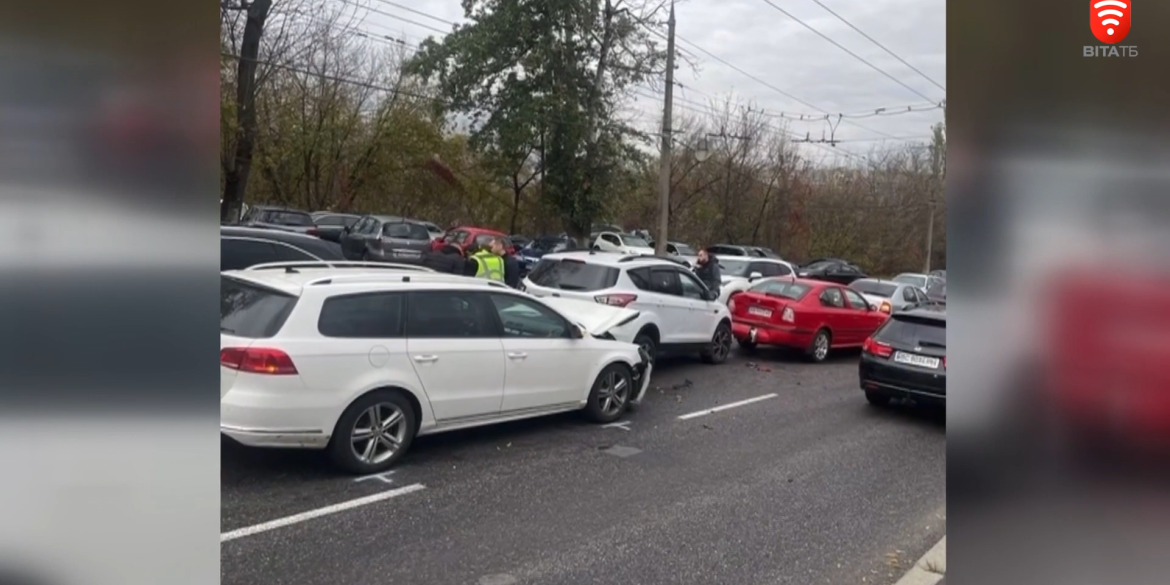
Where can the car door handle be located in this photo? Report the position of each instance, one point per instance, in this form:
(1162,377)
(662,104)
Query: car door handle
(517,355)
(426,359)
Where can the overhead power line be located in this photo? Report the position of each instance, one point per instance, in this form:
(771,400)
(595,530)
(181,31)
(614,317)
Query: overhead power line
(418,12)
(883,47)
(396,17)
(851,53)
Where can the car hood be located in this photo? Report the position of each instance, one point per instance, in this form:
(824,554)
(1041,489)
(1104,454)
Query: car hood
(595,318)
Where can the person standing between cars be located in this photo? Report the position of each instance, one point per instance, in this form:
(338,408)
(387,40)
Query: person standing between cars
(511,264)
(707,269)
(490,261)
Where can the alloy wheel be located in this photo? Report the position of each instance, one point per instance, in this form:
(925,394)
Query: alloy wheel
(721,345)
(614,392)
(821,348)
(378,433)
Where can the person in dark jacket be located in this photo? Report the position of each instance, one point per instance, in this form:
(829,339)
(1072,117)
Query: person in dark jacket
(449,260)
(511,264)
(707,269)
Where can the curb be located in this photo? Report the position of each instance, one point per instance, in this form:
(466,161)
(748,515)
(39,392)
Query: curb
(930,569)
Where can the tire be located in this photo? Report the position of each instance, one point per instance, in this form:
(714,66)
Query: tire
(344,447)
(647,342)
(818,350)
(611,394)
(879,400)
(720,346)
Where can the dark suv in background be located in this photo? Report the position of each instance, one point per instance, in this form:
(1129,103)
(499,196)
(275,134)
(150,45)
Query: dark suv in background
(279,218)
(907,358)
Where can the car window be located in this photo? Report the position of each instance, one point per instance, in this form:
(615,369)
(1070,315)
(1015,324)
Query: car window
(449,314)
(522,317)
(850,269)
(781,288)
(729,251)
(247,310)
(406,231)
(457,237)
(819,265)
(877,289)
(938,290)
(373,227)
(855,300)
(290,218)
(733,267)
(769,269)
(691,287)
(361,225)
(918,332)
(611,239)
(289,253)
(573,275)
(237,254)
(908,295)
(832,298)
(330,220)
(363,316)
(913,279)
(684,250)
(665,281)
(640,277)
(637,242)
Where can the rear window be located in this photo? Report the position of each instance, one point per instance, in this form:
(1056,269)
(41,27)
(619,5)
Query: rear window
(291,218)
(247,310)
(406,231)
(914,331)
(781,288)
(573,275)
(877,289)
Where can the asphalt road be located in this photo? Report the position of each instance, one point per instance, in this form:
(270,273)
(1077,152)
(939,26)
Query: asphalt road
(810,486)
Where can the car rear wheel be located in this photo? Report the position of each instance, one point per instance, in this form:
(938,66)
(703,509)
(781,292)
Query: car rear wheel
(373,433)
(646,341)
(720,346)
(819,349)
(611,394)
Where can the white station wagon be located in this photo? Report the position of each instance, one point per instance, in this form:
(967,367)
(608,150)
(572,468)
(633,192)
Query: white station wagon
(358,361)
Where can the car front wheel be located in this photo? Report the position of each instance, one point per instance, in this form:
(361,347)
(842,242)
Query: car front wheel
(611,394)
(373,433)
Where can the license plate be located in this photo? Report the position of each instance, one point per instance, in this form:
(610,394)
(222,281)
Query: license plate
(760,311)
(916,360)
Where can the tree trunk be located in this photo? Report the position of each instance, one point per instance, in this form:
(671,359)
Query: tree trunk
(239,166)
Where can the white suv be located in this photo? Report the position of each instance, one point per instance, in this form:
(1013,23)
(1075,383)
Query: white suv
(739,272)
(359,361)
(621,243)
(677,312)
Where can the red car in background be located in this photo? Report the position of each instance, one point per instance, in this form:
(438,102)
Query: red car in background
(810,315)
(1107,344)
(466,238)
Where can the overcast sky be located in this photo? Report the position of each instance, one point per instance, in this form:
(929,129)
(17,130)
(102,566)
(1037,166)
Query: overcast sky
(764,42)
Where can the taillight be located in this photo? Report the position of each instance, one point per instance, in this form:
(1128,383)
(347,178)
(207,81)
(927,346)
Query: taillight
(731,305)
(788,316)
(616,300)
(313,232)
(255,360)
(885,308)
(877,348)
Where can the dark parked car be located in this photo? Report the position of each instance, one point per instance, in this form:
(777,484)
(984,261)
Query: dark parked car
(241,247)
(386,238)
(519,240)
(907,358)
(531,254)
(279,218)
(763,252)
(838,271)
(331,225)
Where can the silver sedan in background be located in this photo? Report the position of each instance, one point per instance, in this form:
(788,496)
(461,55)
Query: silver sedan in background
(889,296)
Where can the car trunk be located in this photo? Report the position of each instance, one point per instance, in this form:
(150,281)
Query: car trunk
(249,312)
(760,309)
(914,353)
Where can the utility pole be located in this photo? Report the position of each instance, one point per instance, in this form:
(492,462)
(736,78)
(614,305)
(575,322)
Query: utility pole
(661,237)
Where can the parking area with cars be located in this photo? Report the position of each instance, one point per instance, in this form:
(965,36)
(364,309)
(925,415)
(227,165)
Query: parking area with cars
(766,469)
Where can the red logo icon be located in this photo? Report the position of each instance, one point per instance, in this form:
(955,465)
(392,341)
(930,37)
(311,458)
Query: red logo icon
(1109,19)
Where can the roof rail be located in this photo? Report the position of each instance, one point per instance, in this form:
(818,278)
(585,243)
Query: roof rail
(637,257)
(338,264)
(434,277)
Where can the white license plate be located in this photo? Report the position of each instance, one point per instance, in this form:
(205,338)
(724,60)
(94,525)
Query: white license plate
(916,360)
(760,311)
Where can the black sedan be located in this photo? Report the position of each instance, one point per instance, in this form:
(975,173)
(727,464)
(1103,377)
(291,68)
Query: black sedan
(331,225)
(838,271)
(907,358)
(242,247)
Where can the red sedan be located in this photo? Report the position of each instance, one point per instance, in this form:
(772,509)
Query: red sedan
(810,315)
(466,238)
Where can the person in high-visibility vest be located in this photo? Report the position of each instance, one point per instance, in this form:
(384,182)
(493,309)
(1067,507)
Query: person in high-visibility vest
(490,261)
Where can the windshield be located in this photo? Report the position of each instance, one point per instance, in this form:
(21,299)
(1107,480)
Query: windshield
(872,287)
(781,288)
(733,267)
(914,279)
(635,242)
(289,218)
(573,275)
(684,250)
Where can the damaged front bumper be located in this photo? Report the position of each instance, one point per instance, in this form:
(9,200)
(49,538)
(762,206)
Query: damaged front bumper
(642,375)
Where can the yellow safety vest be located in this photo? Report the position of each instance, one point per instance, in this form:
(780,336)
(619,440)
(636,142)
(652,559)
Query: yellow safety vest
(490,267)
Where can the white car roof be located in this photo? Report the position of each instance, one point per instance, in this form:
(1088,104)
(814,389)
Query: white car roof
(294,282)
(611,259)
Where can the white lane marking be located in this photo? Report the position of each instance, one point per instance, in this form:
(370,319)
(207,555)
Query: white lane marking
(623,425)
(335,508)
(725,407)
(382,477)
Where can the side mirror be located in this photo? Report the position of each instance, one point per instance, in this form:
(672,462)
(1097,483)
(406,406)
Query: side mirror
(755,275)
(577,332)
